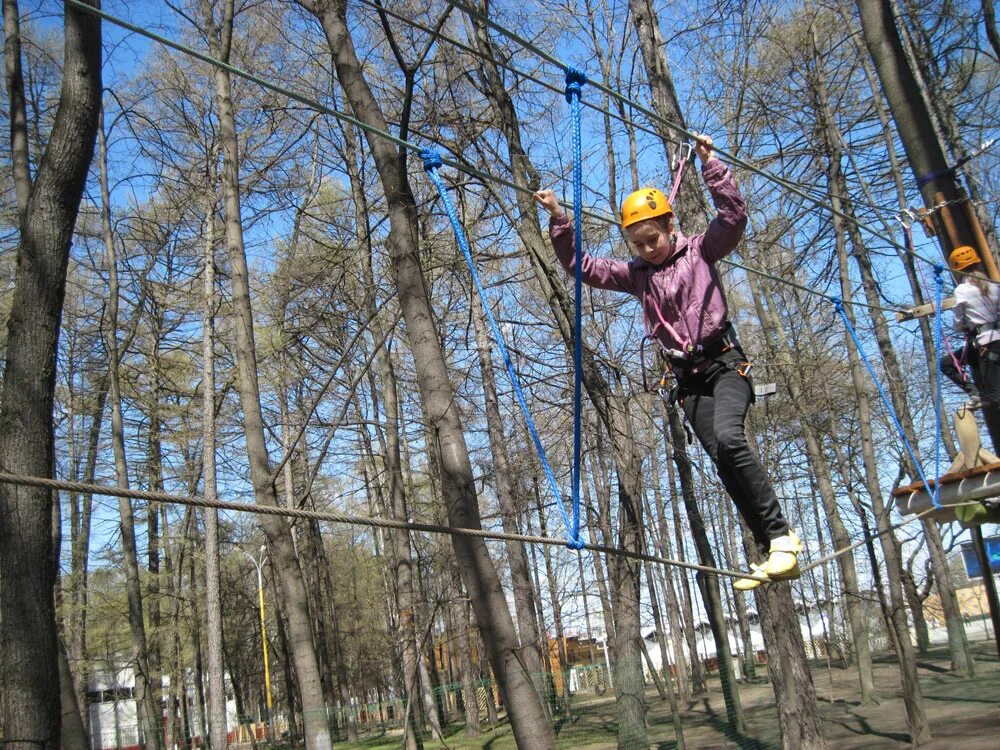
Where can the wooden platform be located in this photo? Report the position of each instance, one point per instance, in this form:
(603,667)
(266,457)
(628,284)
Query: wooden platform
(957,488)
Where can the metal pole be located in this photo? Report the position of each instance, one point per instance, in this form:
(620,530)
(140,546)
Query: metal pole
(259,565)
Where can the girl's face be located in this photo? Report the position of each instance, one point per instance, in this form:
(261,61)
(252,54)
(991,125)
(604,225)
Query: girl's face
(651,239)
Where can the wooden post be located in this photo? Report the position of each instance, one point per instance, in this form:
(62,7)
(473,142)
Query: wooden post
(973,237)
(989,262)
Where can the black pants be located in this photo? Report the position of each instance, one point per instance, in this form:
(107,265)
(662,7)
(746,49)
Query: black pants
(985,365)
(715,402)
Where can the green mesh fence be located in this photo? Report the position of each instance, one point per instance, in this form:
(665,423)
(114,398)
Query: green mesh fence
(586,716)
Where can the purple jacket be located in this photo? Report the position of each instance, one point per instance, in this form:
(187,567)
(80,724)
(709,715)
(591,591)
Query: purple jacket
(683,303)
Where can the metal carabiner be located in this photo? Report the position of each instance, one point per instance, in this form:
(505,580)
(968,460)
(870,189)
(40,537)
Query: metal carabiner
(907,214)
(682,153)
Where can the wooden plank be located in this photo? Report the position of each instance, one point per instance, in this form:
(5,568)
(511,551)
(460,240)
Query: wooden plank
(922,311)
(957,476)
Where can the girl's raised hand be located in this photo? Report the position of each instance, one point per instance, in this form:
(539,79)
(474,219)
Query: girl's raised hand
(547,200)
(703,146)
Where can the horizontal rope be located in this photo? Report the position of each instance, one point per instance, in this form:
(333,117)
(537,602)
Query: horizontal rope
(86,488)
(680,130)
(460,166)
(872,537)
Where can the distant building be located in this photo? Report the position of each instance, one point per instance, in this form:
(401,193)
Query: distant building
(111,708)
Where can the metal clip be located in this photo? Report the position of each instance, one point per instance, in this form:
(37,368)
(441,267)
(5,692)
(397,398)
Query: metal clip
(682,153)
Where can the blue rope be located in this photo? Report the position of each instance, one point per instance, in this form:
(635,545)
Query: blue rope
(433,162)
(938,402)
(839,306)
(574,82)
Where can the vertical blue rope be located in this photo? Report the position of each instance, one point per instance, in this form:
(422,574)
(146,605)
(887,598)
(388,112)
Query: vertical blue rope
(432,162)
(939,401)
(839,305)
(574,82)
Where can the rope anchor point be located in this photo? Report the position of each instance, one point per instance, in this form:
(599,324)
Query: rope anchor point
(575,79)
(432,159)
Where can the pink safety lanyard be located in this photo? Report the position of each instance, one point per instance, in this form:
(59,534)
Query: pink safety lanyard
(683,156)
(651,332)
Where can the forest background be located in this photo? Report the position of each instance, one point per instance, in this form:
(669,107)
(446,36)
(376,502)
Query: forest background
(153,381)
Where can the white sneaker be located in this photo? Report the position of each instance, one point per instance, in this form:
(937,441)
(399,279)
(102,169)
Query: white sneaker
(759,576)
(782,561)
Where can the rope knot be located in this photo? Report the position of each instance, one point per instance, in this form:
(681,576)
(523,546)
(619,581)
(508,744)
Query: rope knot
(576,544)
(432,159)
(838,304)
(575,78)
(938,271)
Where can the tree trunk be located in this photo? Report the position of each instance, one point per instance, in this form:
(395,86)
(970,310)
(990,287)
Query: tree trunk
(691,207)
(916,605)
(794,693)
(601,520)
(661,639)
(913,118)
(80,550)
(73,734)
(469,692)
(532,640)
(961,661)
(531,728)
(697,683)
(146,690)
(276,529)
(912,695)
(556,604)
(29,649)
(739,603)
(940,100)
(990,22)
(154,473)
(213,564)
(774,331)
(666,577)
(19,149)
(624,573)
(398,540)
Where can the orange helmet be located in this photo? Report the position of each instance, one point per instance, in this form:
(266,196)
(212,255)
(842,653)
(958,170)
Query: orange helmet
(962,256)
(644,204)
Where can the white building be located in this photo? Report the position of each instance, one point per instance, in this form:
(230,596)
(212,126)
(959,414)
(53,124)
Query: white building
(112,712)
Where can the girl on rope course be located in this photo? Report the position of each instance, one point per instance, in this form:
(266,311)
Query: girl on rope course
(684,308)
(977,315)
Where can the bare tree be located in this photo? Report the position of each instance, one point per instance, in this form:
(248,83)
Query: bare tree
(276,529)
(47,211)
(531,727)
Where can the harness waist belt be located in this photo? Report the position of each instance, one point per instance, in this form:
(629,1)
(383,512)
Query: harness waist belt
(993,326)
(713,349)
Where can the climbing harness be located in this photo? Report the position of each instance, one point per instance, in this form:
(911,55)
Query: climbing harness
(666,385)
(677,365)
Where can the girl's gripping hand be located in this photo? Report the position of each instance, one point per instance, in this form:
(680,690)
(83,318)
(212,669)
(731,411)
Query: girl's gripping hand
(703,147)
(547,200)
